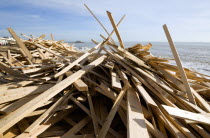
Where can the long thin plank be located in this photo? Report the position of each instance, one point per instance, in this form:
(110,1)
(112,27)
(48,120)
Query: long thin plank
(51,36)
(179,113)
(102,133)
(143,92)
(98,21)
(77,127)
(154,131)
(14,94)
(24,49)
(115,29)
(93,114)
(179,65)
(136,121)
(17,115)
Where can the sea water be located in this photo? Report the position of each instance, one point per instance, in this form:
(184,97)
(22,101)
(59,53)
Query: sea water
(194,55)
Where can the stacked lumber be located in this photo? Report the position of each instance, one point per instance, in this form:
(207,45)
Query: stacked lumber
(49,89)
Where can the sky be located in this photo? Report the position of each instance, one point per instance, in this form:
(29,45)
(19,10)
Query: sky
(69,20)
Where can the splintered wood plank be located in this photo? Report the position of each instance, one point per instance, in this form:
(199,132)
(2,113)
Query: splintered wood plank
(24,49)
(115,81)
(136,127)
(179,113)
(115,29)
(179,65)
(77,127)
(11,119)
(102,133)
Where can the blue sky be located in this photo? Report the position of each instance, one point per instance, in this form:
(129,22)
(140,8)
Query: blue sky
(187,20)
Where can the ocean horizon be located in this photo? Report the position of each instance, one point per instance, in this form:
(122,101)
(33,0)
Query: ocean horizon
(194,55)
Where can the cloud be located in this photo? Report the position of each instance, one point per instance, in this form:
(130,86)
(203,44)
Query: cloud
(187,20)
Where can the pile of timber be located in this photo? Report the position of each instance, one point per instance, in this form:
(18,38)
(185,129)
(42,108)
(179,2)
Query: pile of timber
(48,89)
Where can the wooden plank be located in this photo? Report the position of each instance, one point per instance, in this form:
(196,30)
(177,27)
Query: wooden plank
(29,107)
(10,71)
(154,131)
(51,36)
(115,29)
(98,21)
(77,127)
(93,114)
(15,61)
(179,65)
(102,133)
(7,58)
(79,84)
(24,49)
(47,113)
(14,94)
(23,125)
(143,92)
(136,121)
(115,81)
(179,113)
(42,55)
